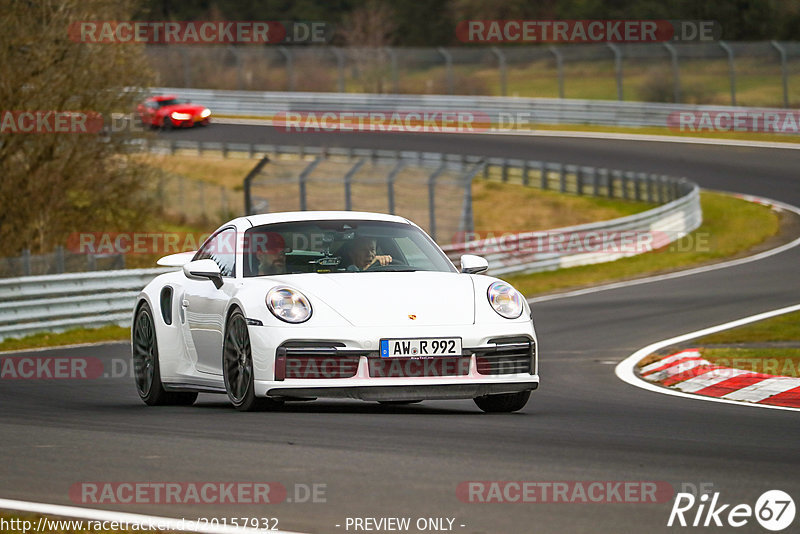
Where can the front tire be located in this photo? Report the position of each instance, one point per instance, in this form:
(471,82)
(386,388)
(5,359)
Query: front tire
(146,368)
(237,367)
(503,403)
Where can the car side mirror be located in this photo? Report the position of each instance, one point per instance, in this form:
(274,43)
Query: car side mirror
(471,264)
(203,270)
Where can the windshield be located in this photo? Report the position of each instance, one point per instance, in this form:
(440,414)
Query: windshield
(172,102)
(340,247)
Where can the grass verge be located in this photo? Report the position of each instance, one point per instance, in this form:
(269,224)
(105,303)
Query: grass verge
(780,328)
(70,337)
(731,226)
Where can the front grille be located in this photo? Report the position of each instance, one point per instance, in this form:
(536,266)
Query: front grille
(418,367)
(508,357)
(314,360)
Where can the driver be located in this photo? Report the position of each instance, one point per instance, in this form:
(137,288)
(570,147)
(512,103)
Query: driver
(270,249)
(362,254)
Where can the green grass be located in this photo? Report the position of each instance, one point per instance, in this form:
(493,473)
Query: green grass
(781,328)
(70,337)
(730,226)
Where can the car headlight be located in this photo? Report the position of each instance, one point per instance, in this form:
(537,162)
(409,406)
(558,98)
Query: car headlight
(505,300)
(180,116)
(288,305)
(205,113)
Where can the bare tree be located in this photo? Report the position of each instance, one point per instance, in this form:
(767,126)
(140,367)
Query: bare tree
(367,31)
(53,184)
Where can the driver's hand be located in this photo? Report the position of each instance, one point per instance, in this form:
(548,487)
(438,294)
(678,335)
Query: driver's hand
(383,260)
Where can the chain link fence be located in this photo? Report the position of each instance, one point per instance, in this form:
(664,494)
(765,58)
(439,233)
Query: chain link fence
(735,73)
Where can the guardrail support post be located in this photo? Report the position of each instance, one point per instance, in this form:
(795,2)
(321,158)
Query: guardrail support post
(625,194)
(617,67)
(731,70)
(784,72)
(448,64)
(595,182)
(348,180)
(579,180)
(650,182)
(304,177)
(562,178)
(501,60)
(526,181)
(544,182)
(559,69)
(390,184)
(637,188)
(248,181)
(432,198)
(504,173)
(26,261)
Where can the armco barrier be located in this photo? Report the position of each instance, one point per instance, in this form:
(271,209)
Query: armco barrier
(499,109)
(55,303)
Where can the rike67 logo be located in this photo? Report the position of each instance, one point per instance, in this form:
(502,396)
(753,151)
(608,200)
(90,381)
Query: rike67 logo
(774,510)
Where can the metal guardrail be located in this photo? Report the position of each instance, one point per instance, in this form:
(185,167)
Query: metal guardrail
(499,110)
(55,303)
(60,302)
(530,252)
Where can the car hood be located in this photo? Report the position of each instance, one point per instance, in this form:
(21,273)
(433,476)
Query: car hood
(192,109)
(376,299)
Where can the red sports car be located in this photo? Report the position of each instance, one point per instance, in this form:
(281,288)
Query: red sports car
(168,111)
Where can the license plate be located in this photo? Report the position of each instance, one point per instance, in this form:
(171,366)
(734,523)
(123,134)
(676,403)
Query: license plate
(420,347)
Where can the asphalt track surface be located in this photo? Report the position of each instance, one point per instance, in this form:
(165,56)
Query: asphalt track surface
(582,424)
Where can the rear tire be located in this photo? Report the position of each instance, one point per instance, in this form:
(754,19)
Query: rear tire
(503,403)
(237,367)
(146,368)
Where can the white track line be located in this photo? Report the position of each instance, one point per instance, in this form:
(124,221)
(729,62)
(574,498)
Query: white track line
(163,523)
(573,134)
(625,369)
(687,272)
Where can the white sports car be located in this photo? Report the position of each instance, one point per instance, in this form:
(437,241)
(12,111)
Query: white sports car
(295,306)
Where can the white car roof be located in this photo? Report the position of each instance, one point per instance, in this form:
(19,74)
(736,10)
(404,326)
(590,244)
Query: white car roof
(293,216)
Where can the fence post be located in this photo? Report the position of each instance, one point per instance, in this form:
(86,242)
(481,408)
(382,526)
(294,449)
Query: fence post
(579,180)
(393,65)
(390,183)
(248,180)
(348,179)
(676,72)
(303,177)
(26,261)
(339,68)
(287,55)
(650,183)
(637,187)
(617,67)
(432,197)
(467,223)
(625,194)
(501,59)
(731,70)
(562,178)
(784,72)
(559,69)
(239,74)
(448,63)
(59,259)
(504,173)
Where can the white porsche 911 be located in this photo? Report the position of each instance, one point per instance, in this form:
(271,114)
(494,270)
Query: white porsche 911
(295,306)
